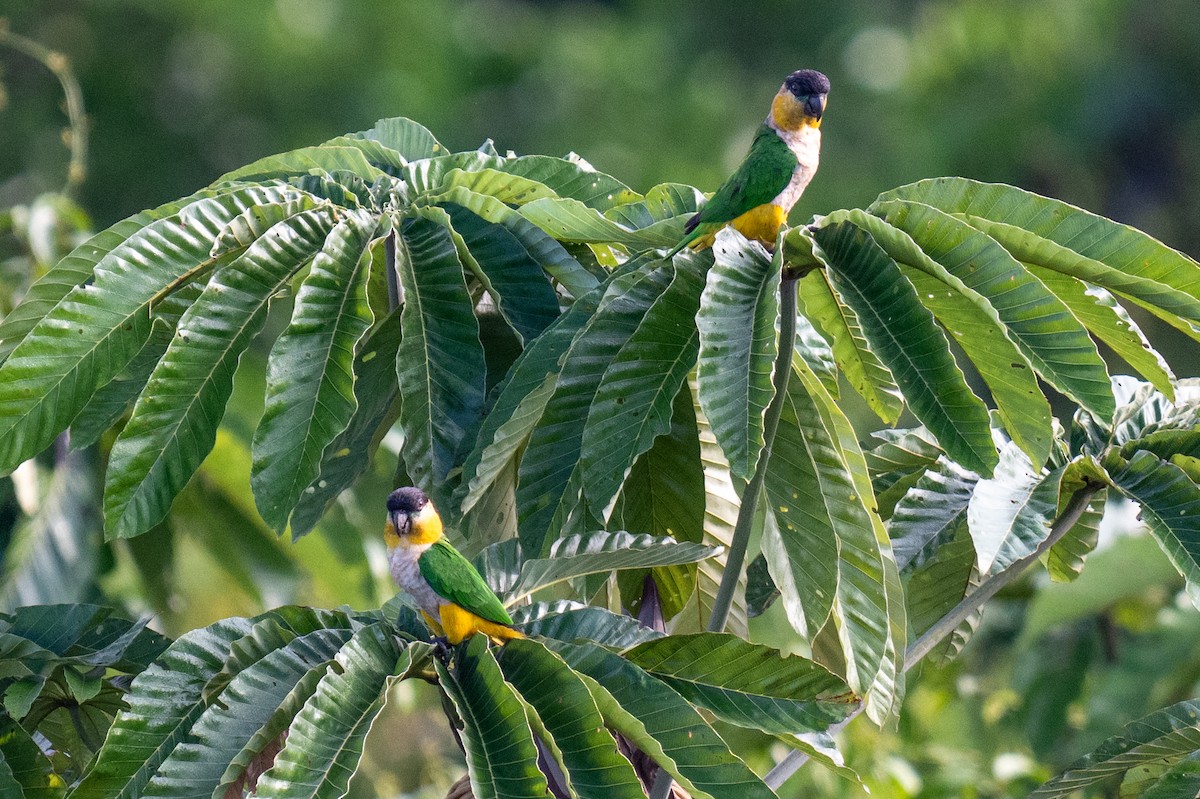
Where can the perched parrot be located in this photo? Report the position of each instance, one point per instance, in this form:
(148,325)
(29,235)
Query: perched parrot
(457,603)
(782,160)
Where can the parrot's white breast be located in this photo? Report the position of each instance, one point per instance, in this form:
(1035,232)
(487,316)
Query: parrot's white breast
(407,574)
(805,143)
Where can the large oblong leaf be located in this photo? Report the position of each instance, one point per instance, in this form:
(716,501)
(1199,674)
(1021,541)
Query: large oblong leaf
(1010,512)
(582,623)
(1165,735)
(1170,503)
(511,273)
(552,457)
(310,381)
(411,139)
(501,753)
(662,724)
(1048,334)
(198,765)
(520,402)
(747,684)
(839,325)
(325,741)
(1065,238)
(909,343)
(306,160)
(174,422)
(594,767)
(977,327)
(579,555)
(347,456)
(632,406)
(164,702)
(77,267)
(97,328)
(738,317)
(571,220)
(440,365)
(1108,321)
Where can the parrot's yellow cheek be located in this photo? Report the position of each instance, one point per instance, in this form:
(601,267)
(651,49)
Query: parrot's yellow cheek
(390,537)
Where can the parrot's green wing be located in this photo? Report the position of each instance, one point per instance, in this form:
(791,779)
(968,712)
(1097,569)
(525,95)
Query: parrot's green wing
(453,577)
(764,173)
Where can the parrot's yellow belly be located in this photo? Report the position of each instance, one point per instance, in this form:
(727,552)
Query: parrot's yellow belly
(761,223)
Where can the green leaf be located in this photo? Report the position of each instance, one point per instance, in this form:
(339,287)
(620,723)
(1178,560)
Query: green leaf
(520,402)
(571,220)
(501,754)
(164,703)
(1111,323)
(840,326)
(440,364)
(307,160)
(868,614)
(202,763)
(972,321)
(310,379)
(1042,326)
(1010,512)
(411,139)
(594,767)
(552,456)
(346,457)
(933,544)
(583,623)
(1166,735)
(811,498)
(78,266)
(1065,559)
(1067,239)
(662,724)
(25,773)
(579,555)
(174,422)
(113,400)
(908,341)
(930,512)
(510,272)
(54,555)
(632,405)
(541,247)
(1180,781)
(664,496)
(721,503)
(1170,507)
(572,178)
(739,314)
(325,741)
(747,684)
(897,462)
(97,328)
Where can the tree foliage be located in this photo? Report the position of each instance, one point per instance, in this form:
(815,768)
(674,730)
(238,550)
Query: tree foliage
(644,405)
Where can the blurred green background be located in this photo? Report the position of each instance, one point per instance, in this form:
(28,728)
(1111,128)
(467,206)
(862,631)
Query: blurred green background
(1096,102)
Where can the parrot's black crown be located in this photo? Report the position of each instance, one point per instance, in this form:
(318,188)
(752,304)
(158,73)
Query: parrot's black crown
(807,82)
(406,500)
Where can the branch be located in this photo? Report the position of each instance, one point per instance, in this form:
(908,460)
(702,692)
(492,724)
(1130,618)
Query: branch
(958,614)
(77,131)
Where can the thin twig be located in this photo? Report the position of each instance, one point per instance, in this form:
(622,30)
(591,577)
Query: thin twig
(957,615)
(77,131)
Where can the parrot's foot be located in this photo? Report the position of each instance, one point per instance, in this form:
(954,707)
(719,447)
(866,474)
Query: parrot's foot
(442,647)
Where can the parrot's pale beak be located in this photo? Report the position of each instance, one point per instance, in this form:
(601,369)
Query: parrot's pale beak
(401,522)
